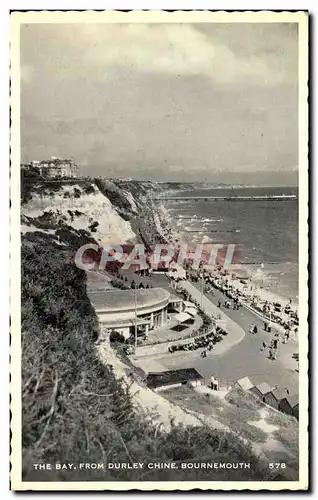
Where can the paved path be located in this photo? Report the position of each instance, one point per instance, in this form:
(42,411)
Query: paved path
(235,331)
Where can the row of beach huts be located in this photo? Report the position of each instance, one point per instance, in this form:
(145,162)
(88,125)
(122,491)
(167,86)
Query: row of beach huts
(275,397)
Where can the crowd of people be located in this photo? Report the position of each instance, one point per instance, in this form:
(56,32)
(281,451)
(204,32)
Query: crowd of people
(235,296)
(272,348)
(273,345)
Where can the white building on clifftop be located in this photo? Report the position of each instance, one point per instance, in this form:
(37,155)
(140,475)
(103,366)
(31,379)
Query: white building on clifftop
(56,167)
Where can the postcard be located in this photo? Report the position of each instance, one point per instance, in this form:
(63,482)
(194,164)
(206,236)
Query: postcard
(159,250)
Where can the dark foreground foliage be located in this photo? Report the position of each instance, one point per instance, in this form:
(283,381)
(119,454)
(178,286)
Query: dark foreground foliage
(74,409)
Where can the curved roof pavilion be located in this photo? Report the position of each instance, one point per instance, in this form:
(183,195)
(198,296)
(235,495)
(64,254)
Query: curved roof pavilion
(123,301)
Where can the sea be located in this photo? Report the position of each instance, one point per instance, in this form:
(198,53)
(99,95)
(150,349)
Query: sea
(266,231)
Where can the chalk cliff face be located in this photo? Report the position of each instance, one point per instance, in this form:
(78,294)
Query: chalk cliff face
(99,210)
(83,208)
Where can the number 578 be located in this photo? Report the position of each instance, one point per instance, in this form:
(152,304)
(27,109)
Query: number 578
(280,465)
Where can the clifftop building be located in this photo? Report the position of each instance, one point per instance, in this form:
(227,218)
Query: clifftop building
(54,167)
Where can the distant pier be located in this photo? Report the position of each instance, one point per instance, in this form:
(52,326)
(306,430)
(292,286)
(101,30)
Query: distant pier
(281,197)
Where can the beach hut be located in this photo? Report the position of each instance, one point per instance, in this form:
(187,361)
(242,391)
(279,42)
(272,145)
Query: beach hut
(261,390)
(290,405)
(274,397)
(245,384)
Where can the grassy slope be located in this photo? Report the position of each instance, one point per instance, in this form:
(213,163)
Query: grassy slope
(238,411)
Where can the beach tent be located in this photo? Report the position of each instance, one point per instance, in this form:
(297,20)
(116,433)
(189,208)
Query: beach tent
(192,311)
(182,317)
(187,303)
(176,271)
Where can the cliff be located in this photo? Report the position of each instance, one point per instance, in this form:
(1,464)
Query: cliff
(102,209)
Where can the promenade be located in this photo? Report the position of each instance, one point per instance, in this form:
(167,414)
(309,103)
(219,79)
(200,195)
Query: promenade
(235,332)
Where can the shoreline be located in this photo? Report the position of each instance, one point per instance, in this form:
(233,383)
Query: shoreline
(251,295)
(262,291)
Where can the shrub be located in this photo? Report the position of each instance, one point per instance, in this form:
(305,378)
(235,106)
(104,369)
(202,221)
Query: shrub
(118,283)
(116,336)
(89,189)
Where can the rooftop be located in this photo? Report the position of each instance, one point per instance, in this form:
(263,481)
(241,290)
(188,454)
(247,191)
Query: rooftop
(280,393)
(264,388)
(292,400)
(175,298)
(155,380)
(57,161)
(191,310)
(245,383)
(121,300)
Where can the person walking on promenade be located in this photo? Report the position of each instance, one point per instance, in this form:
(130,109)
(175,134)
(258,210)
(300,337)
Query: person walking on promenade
(265,326)
(263,346)
(286,336)
(274,352)
(270,353)
(219,303)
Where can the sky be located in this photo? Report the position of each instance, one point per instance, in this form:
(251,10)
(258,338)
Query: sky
(192,102)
